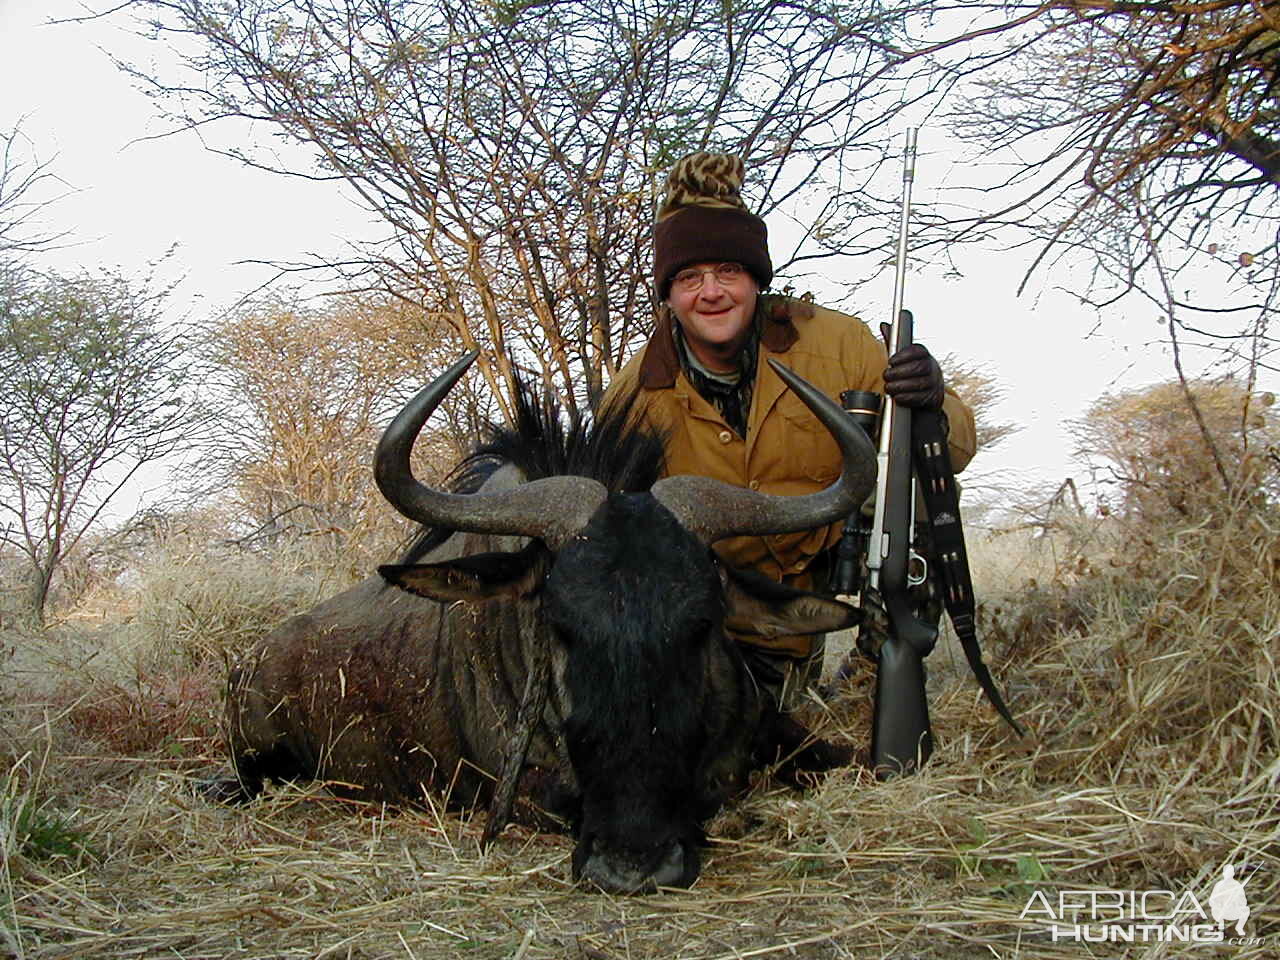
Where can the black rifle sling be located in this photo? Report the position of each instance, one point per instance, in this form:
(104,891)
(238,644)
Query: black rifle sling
(942,504)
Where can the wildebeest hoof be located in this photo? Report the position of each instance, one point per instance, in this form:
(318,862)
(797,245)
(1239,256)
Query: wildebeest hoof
(803,769)
(800,752)
(821,755)
(227,790)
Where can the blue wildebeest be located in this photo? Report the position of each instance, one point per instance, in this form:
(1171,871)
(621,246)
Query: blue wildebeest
(570,621)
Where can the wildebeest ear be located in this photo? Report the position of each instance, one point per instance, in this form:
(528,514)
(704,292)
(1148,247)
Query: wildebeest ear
(756,604)
(480,576)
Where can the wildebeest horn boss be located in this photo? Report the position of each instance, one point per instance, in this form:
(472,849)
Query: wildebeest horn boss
(566,582)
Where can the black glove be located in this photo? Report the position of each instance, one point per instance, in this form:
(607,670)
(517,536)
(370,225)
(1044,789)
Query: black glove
(913,377)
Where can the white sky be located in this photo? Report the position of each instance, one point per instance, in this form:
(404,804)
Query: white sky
(130,201)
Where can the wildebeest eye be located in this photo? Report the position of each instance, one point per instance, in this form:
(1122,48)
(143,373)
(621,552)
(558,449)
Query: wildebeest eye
(701,630)
(565,637)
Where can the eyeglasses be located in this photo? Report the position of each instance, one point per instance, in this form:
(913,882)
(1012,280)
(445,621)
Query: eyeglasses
(726,274)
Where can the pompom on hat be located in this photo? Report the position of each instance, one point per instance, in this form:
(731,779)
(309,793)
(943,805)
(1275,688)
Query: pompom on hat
(703,220)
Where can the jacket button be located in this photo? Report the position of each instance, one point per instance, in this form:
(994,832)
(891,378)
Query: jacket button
(725,436)
(754,484)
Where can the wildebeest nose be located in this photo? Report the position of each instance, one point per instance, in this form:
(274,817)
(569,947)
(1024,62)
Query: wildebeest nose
(624,874)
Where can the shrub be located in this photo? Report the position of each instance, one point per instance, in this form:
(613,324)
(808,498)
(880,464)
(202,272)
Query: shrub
(214,603)
(1162,654)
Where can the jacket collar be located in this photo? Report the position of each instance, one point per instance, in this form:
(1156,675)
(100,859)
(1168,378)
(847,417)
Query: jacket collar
(660,364)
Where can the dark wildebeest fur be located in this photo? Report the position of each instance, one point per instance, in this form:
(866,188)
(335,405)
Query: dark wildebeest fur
(651,719)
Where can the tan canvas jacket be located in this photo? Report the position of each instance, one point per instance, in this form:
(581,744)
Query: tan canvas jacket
(786,450)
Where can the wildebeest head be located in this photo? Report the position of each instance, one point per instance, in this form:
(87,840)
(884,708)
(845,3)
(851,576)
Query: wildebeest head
(661,713)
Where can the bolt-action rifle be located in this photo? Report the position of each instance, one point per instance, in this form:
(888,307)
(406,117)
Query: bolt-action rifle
(911,442)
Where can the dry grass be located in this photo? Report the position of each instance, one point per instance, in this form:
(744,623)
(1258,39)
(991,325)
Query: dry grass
(1151,688)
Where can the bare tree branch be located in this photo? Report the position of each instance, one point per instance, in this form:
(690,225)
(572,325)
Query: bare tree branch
(515,150)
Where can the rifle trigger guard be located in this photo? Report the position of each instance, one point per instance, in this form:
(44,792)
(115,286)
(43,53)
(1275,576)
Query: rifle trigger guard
(917,569)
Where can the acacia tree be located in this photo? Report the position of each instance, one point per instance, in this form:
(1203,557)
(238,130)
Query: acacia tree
(515,149)
(1144,158)
(23,177)
(1139,141)
(303,391)
(981,391)
(1159,466)
(93,392)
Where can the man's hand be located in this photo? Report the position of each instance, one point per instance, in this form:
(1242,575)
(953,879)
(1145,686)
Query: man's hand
(913,377)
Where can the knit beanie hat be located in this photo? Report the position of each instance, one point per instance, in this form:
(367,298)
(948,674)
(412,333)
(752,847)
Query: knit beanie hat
(703,220)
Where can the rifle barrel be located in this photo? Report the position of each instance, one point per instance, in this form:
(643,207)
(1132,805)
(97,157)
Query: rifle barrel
(904,225)
(879,546)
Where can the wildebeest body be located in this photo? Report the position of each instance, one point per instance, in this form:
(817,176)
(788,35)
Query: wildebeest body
(650,718)
(387,694)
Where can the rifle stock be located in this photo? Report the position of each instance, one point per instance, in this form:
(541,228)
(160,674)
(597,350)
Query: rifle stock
(901,738)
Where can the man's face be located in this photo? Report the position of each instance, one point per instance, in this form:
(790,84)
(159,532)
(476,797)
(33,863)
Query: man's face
(714,303)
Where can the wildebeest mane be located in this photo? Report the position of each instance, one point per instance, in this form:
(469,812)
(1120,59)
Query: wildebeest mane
(612,447)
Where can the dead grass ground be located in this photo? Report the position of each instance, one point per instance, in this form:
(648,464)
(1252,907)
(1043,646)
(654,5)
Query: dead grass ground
(1152,698)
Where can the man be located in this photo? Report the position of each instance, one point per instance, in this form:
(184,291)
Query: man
(702,379)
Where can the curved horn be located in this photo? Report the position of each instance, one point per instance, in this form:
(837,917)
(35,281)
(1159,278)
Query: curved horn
(552,509)
(713,510)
